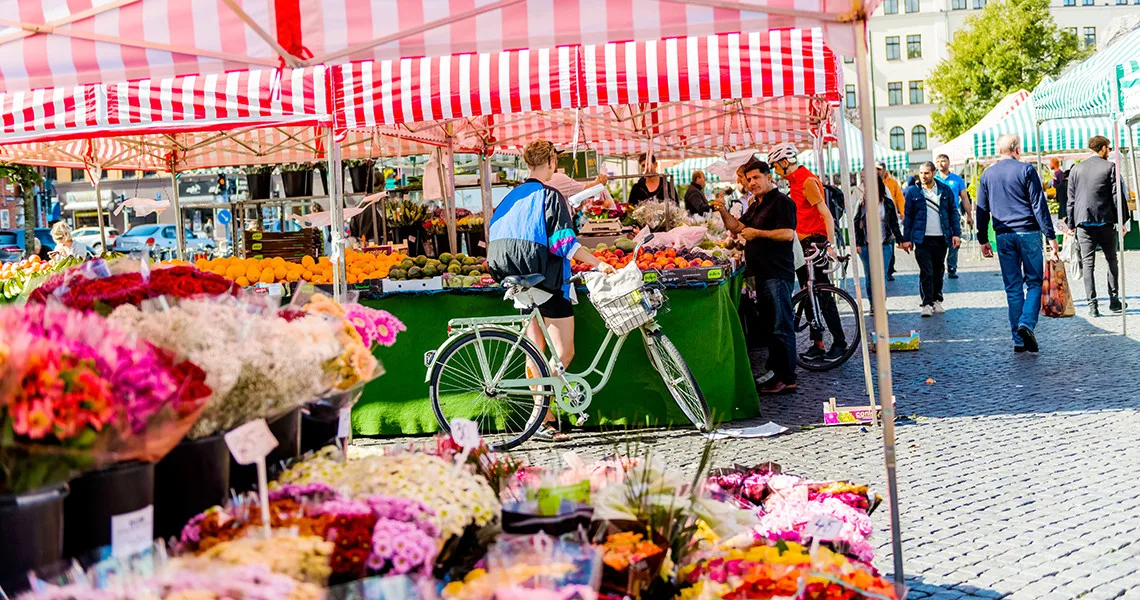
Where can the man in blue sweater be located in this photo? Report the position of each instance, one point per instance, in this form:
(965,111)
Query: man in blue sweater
(1010,191)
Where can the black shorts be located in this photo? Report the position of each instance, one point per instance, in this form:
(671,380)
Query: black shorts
(558,307)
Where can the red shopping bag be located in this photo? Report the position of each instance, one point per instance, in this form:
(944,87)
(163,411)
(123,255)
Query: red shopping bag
(1056,297)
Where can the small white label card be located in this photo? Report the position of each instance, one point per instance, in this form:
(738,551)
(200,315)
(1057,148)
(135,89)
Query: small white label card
(132,532)
(344,423)
(251,442)
(824,528)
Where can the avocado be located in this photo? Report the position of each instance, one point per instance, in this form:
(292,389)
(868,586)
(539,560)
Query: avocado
(397,274)
(467,260)
(430,271)
(415,273)
(466,269)
(407,263)
(455,268)
(601,247)
(421,261)
(477,273)
(445,258)
(460,257)
(625,245)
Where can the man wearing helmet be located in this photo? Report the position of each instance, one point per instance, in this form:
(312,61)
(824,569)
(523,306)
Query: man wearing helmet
(814,225)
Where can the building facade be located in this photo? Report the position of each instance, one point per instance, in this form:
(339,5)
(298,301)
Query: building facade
(908,38)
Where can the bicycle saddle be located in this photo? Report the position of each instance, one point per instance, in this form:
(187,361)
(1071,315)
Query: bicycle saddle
(524,281)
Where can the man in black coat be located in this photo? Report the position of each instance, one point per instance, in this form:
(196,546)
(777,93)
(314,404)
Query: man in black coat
(695,200)
(1092,213)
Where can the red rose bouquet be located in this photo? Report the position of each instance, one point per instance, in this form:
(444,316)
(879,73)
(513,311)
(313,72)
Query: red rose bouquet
(97,289)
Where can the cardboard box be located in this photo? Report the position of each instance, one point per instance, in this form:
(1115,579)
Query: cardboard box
(905,343)
(849,415)
(392,286)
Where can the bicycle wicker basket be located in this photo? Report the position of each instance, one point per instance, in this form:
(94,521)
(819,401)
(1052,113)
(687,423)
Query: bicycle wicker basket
(625,313)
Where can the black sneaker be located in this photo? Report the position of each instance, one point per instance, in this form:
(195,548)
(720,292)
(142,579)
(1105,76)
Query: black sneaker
(1019,349)
(952,275)
(816,354)
(890,277)
(837,351)
(1028,338)
(1115,305)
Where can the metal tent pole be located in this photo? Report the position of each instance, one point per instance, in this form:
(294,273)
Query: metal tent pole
(99,212)
(336,212)
(849,195)
(449,197)
(1120,202)
(180,232)
(485,188)
(879,297)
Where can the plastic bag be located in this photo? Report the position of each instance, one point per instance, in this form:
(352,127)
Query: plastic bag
(1056,296)
(685,236)
(1071,253)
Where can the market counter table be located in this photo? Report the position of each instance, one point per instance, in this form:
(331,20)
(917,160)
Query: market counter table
(702,323)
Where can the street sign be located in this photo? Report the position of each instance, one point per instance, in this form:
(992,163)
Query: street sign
(224,216)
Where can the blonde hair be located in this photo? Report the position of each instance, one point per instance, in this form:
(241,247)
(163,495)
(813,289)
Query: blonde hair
(538,153)
(60,232)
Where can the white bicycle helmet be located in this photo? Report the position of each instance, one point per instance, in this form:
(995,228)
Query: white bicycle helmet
(782,152)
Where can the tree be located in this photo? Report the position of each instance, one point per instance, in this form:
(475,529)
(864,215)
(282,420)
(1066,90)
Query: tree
(1010,45)
(26,178)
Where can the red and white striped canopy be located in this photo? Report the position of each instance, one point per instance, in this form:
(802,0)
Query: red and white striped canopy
(51,44)
(775,64)
(217,101)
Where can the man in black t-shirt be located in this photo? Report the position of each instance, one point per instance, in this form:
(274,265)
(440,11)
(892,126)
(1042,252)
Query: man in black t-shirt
(768,228)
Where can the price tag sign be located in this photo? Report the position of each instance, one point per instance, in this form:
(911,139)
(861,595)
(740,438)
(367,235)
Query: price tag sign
(824,528)
(412,239)
(481,244)
(251,442)
(344,423)
(132,532)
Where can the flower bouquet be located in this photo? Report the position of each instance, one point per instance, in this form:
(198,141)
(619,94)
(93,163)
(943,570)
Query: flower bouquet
(184,580)
(472,222)
(534,567)
(95,288)
(77,393)
(258,363)
(435,226)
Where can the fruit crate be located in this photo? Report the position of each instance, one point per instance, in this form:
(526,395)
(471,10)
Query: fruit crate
(712,274)
(290,245)
(412,285)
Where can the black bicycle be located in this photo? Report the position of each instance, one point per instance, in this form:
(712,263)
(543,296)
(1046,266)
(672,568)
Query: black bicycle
(825,318)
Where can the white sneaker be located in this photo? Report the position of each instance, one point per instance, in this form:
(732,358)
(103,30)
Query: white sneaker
(928,311)
(938,308)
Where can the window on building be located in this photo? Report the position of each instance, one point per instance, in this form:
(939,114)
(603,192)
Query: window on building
(1072,30)
(893,47)
(918,137)
(128,174)
(149,173)
(894,93)
(850,96)
(911,6)
(1090,37)
(77,174)
(898,138)
(51,173)
(1121,2)
(849,60)
(1070,2)
(958,4)
(891,7)
(914,46)
(1088,2)
(916,95)
(979,3)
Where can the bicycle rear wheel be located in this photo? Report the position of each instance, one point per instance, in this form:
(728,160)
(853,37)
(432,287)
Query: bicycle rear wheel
(678,379)
(458,388)
(805,323)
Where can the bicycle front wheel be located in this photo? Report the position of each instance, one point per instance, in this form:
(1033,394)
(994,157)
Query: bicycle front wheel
(459,388)
(678,379)
(826,340)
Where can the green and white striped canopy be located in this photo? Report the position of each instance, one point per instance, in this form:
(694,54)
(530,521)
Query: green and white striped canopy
(1087,89)
(1057,136)
(896,160)
(1129,75)
(682,172)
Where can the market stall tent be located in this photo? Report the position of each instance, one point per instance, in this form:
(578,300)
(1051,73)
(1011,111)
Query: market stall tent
(1058,136)
(961,148)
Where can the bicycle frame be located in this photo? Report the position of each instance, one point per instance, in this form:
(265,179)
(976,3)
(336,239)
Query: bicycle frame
(561,382)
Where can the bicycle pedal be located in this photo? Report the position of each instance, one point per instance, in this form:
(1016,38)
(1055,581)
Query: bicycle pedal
(580,419)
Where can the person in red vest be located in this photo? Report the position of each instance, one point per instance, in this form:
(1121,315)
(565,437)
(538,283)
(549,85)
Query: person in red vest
(814,225)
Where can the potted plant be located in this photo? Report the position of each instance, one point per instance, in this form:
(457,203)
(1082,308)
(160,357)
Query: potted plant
(297,179)
(362,174)
(257,181)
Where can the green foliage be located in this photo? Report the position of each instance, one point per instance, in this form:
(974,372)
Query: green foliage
(27,178)
(1010,45)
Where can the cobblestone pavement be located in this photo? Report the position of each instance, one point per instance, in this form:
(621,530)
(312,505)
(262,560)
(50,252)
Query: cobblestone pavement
(1017,473)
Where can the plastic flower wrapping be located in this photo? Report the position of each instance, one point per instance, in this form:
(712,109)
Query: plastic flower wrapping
(191,580)
(102,286)
(455,495)
(76,392)
(257,363)
(533,567)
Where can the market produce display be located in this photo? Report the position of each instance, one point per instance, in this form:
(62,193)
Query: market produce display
(361,266)
(14,276)
(422,267)
(621,254)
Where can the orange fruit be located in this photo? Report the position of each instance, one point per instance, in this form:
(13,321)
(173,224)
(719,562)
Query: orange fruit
(242,281)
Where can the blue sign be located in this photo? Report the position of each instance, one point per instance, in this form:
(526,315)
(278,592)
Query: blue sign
(224,217)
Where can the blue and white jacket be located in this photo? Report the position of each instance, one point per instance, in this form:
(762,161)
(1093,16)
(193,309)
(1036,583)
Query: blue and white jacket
(532,231)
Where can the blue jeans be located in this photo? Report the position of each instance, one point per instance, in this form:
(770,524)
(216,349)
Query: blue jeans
(865,258)
(1022,269)
(952,260)
(774,304)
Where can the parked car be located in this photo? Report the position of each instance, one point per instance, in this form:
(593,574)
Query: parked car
(161,239)
(12,243)
(89,236)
